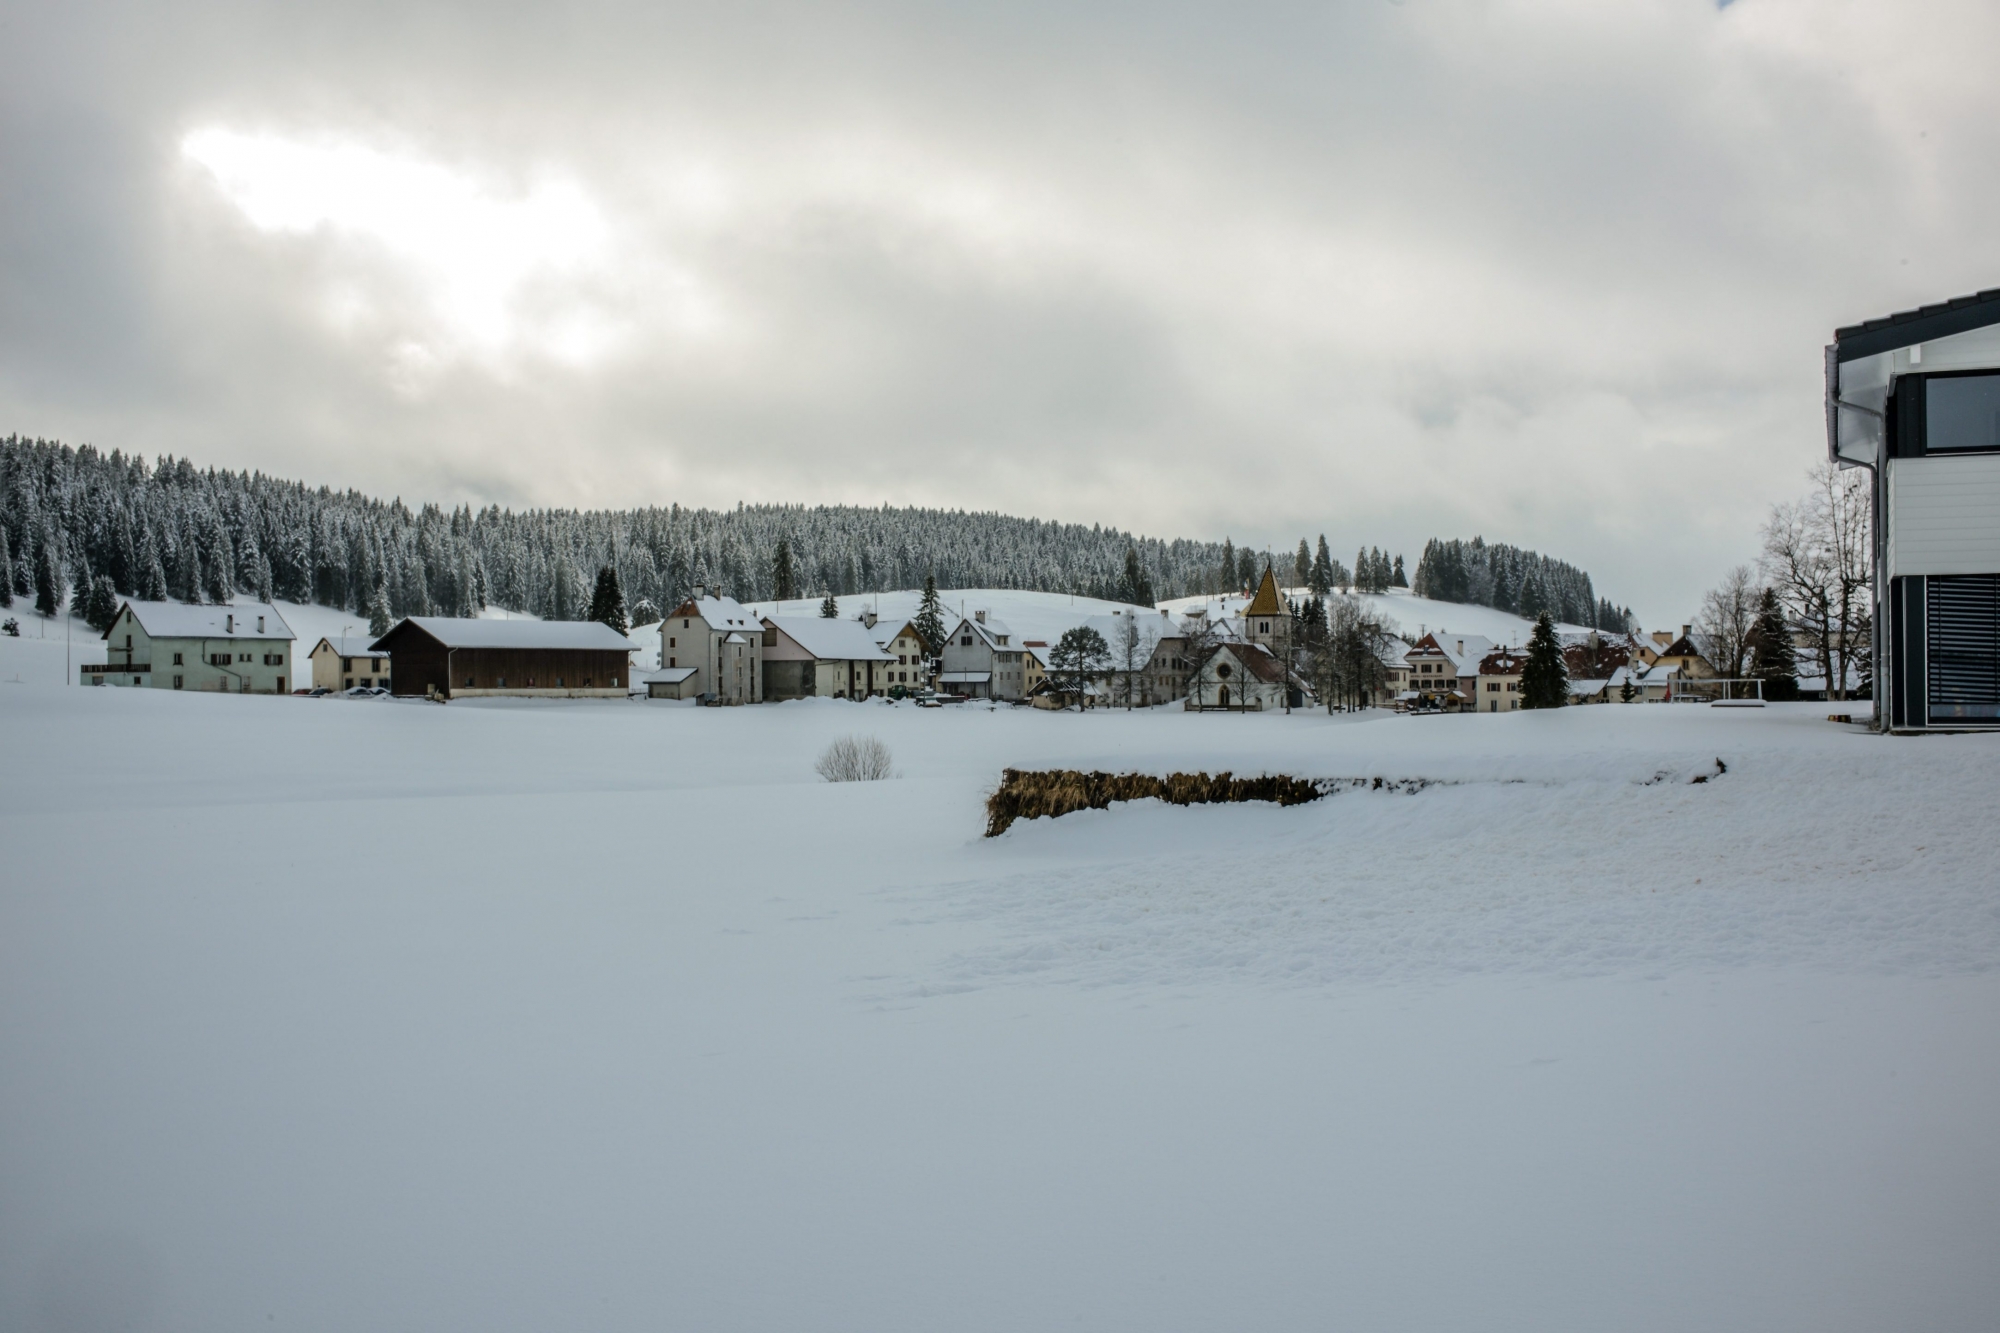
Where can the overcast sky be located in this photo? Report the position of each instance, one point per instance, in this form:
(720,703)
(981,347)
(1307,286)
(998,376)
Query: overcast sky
(1558,273)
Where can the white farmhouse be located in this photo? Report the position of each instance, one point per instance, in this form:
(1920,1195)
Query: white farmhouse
(723,641)
(912,654)
(241,649)
(823,657)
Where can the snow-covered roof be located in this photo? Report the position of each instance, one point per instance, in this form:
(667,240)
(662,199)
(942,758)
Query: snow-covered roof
(720,613)
(995,632)
(832,640)
(178,620)
(348,645)
(965,677)
(668,676)
(453,632)
(1463,651)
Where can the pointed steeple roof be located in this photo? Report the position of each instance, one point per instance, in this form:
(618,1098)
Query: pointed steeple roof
(1267,601)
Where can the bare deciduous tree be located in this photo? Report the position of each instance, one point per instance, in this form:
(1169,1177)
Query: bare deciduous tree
(1728,613)
(1816,556)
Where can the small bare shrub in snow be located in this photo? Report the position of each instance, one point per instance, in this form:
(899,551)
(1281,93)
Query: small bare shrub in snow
(854,759)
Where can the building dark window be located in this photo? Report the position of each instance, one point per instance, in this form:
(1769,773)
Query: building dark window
(1962,413)
(1962,643)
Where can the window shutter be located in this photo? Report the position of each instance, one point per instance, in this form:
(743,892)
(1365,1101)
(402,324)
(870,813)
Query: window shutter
(1963,615)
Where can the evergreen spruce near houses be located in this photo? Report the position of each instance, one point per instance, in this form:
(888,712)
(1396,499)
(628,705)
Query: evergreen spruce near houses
(1320,580)
(1302,566)
(1228,582)
(48,579)
(607,601)
(1396,576)
(1772,658)
(929,620)
(1135,588)
(1077,659)
(784,579)
(1544,678)
(378,611)
(829,609)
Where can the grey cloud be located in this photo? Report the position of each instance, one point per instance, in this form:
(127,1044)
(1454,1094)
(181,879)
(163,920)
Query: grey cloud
(1558,273)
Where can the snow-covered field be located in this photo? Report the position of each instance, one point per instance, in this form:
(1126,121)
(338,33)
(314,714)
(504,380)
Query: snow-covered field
(525,1016)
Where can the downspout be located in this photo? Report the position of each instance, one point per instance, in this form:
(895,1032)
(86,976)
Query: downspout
(1879,592)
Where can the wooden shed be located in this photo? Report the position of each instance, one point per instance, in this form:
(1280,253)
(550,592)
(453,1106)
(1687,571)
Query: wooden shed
(444,657)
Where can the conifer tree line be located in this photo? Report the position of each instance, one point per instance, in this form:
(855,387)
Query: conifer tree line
(93,527)
(1509,578)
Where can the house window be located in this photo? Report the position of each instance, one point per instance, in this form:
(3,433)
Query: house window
(468,682)
(965,642)
(177,679)
(178,662)
(347,664)
(1961,413)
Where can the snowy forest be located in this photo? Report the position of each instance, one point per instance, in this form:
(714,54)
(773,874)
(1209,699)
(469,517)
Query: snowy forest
(100,526)
(1511,579)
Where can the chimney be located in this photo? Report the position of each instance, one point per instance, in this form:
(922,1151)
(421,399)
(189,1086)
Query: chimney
(1686,630)
(700,591)
(979,616)
(260,624)
(229,624)
(868,619)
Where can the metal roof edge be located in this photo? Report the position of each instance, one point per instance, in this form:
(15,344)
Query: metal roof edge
(1906,328)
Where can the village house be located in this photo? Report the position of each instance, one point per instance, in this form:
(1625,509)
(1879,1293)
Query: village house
(245,648)
(1148,658)
(912,654)
(723,641)
(807,657)
(1684,655)
(449,657)
(1034,667)
(1499,683)
(1241,677)
(1444,671)
(981,660)
(345,661)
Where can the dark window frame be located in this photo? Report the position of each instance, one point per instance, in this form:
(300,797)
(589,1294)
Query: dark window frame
(1907,426)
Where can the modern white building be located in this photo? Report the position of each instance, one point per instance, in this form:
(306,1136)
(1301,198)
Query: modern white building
(723,641)
(245,648)
(1915,399)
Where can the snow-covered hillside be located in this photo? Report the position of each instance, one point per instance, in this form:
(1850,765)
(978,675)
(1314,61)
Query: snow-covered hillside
(1412,616)
(521,1015)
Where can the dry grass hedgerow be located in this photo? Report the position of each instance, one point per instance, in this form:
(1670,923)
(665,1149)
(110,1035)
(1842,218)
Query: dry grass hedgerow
(854,759)
(1053,792)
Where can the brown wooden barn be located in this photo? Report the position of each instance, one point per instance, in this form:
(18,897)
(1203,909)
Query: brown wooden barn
(449,658)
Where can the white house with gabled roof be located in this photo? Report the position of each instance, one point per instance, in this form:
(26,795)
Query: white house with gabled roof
(982,660)
(243,648)
(723,640)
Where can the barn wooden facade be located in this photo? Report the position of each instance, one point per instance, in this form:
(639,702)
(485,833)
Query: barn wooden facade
(444,657)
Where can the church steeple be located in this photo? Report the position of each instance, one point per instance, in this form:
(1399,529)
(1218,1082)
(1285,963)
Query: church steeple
(1267,620)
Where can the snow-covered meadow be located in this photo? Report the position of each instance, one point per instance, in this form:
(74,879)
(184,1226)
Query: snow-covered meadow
(340,1014)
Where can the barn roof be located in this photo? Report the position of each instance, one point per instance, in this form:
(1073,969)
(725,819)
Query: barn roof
(831,640)
(569,635)
(178,620)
